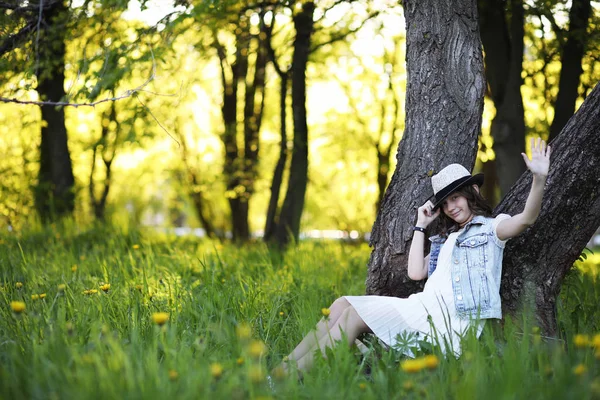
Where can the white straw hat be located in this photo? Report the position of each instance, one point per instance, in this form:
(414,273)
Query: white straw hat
(449,180)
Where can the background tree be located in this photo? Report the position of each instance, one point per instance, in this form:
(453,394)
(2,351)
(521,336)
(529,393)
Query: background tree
(572,45)
(375,101)
(55,195)
(502,30)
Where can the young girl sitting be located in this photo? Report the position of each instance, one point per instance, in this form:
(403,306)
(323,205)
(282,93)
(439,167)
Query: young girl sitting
(463,269)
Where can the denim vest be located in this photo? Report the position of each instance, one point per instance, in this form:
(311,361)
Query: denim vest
(476,269)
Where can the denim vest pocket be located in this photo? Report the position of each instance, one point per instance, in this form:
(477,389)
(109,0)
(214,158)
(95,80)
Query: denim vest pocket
(475,248)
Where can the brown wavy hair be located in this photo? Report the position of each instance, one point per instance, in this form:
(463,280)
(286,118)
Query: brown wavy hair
(477,204)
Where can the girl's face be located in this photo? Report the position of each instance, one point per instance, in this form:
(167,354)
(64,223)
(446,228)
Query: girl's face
(456,207)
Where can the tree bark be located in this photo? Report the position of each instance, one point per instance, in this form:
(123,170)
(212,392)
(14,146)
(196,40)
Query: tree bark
(54,194)
(503,44)
(572,54)
(231,77)
(108,152)
(444,103)
(271,222)
(293,204)
(535,263)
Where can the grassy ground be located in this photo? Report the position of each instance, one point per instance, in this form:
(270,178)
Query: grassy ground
(94,302)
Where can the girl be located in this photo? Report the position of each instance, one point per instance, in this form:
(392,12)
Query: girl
(463,268)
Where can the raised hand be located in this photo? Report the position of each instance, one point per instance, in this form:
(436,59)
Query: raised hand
(425,215)
(540,157)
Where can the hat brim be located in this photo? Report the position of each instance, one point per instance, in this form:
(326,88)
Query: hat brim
(439,198)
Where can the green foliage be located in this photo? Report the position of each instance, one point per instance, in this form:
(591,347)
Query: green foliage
(233,314)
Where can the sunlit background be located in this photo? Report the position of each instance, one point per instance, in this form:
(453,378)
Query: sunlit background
(173,126)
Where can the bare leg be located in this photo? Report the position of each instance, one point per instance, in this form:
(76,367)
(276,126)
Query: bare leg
(349,323)
(323,327)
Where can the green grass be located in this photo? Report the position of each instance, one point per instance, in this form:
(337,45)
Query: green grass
(106,344)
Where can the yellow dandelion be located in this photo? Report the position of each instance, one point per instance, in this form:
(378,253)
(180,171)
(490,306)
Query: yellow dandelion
(90,292)
(580,340)
(362,386)
(240,361)
(325,312)
(579,370)
(42,295)
(17,306)
(596,340)
(257,348)
(216,370)
(412,366)
(61,287)
(74,268)
(408,385)
(19,285)
(256,374)
(136,246)
(105,287)
(281,313)
(243,331)
(173,375)
(431,361)
(35,297)
(160,318)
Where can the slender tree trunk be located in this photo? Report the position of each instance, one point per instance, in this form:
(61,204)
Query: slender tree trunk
(291,212)
(55,195)
(503,45)
(108,153)
(271,222)
(444,103)
(572,54)
(535,262)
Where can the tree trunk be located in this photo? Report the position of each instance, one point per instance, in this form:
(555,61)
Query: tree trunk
(231,77)
(572,54)
(535,263)
(503,59)
(55,195)
(271,222)
(291,212)
(108,153)
(444,103)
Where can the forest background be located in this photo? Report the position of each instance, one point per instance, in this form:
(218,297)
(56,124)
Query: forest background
(186,126)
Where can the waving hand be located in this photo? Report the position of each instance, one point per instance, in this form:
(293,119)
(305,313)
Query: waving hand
(540,157)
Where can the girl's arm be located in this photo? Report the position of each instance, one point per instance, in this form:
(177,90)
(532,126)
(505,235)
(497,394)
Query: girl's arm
(417,264)
(538,165)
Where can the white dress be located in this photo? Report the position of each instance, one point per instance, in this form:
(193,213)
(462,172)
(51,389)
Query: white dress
(425,314)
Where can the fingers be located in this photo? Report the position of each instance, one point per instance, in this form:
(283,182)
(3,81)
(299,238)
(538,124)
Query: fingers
(539,147)
(526,159)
